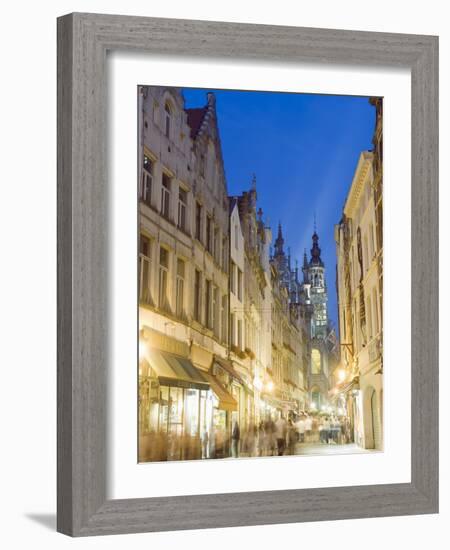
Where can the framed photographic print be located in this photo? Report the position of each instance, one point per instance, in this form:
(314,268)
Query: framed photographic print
(247,274)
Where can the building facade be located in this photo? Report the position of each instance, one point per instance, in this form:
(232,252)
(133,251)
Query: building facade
(359,281)
(183,270)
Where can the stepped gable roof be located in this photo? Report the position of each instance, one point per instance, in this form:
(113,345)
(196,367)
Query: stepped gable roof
(195,118)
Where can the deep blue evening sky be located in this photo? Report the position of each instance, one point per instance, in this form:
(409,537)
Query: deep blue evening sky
(303,149)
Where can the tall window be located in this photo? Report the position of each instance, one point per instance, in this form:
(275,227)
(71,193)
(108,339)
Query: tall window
(315,361)
(236,236)
(376,324)
(163,277)
(232,329)
(371,242)
(233,277)
(198,221)
(209,234)
(366,253)
(216,244)
(215,322)
(197,295)
(224,254)
(224,317)
(202,165)
(165,196)
(208,304)
(180,288)
(182,208)
(147,181)
(145,262)
(167,119)
(369,318)
(239,334)
(316,398)
(239,284)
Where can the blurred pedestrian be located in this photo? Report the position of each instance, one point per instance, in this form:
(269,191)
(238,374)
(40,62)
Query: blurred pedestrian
(235,438)
(270,437)
(326,430)
(280,434)
(337,430)
(249,441)
(292,437)
(300,428)
(308,428)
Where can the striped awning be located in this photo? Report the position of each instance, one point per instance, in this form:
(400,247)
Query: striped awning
(174,370)
(226,401)
(227,366)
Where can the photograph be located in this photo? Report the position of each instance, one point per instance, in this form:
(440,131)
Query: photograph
(260,274)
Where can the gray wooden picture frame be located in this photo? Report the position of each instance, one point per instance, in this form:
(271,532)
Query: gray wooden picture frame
(83,42)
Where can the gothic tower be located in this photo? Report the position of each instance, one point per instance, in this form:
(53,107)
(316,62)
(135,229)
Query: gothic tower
(315,275)
(315,286)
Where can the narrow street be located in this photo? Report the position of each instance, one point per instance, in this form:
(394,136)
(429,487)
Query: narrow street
(332,449)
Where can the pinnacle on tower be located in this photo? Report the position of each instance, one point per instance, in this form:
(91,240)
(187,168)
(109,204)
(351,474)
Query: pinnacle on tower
(305,260)
(279,242)
(315,251)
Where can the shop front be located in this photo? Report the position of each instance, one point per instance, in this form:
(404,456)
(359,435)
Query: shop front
(175,407)
(271,407)
(224,371)
(183,411)
(224,409)
(345,399)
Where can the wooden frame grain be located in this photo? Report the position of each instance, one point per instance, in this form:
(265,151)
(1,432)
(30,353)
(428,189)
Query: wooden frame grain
(83,41)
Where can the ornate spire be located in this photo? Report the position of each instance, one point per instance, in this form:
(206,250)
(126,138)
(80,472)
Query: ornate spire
(252,193)
(279,242)
(305,267)
(315,251)
(260,215)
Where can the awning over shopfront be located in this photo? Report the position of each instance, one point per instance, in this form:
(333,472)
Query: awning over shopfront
(345,388)
(272,401)
(226,401)
(227,366)
(174,370)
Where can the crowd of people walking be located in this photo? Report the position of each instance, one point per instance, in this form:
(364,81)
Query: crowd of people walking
(275,436)
(282,436)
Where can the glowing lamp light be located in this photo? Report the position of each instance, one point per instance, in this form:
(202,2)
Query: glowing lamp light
(257,382)
(342,375)
(269,386)
(313,406)
(142,350)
